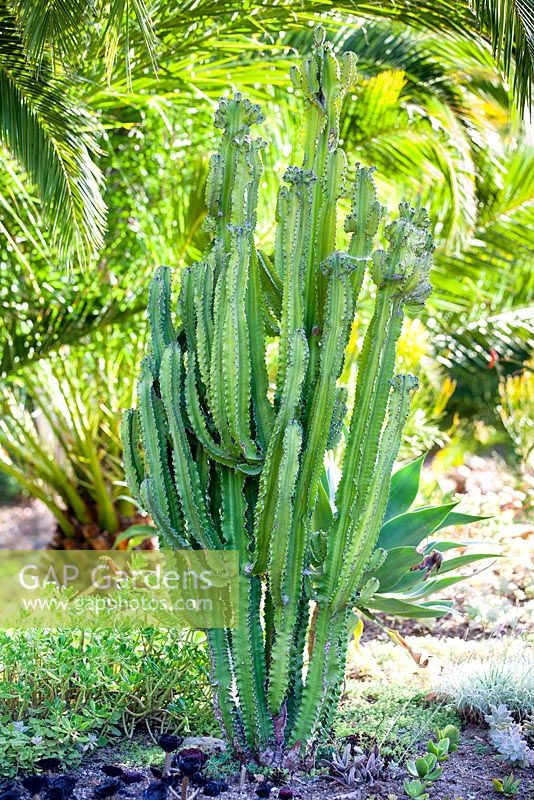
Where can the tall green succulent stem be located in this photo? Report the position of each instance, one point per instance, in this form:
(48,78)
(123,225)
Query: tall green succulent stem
(222,461)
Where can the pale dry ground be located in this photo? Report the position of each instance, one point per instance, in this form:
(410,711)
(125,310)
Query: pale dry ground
(26,525)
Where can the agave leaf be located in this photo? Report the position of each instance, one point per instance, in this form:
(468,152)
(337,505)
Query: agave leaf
(414,526)
(432,586)
(458,518)
(444,546)
(404,488)
(398,562)
(462,561)
(408,584)
(402,608)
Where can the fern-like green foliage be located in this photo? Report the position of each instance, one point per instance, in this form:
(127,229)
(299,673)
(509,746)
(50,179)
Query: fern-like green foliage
(223,458)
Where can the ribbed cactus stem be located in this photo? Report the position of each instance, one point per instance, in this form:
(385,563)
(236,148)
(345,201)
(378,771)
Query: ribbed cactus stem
(220,463)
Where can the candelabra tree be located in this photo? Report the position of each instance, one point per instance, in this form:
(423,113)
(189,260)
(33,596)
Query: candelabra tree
(222,459)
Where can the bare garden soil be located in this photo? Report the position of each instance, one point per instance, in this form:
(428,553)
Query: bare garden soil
(466,776)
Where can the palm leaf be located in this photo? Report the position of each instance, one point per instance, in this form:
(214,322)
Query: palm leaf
(510,24)
(485,326)
(54,138)
(57,27)
(493,274)
(65,28)
(42,309)
(117,30)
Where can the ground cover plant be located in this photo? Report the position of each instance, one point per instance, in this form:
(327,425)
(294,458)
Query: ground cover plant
(65,693)
(219,458)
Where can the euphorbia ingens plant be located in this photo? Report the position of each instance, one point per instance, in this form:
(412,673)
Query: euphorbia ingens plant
(223,460)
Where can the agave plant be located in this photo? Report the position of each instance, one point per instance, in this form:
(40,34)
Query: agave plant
(60,440)
(222,458)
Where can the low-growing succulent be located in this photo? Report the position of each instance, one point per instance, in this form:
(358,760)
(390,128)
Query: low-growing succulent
(416,789)
(61,787)
(112,770)
(425,768)
(508,786)
(440,749)
(190,761)
(199,780)
(130,776)
(499,717)
(510,744)
(48,764)
(285,793)
(156,771)
(127,776)
(506,736)
(10,794)
(156,791)
(450,732)
(169,744)
(212,789)
(353,766)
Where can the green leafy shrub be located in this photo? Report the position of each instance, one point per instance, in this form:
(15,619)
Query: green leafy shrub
(64,693)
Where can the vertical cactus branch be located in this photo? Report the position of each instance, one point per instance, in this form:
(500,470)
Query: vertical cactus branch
(220,463)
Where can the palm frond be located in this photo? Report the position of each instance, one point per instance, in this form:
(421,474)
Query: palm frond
(41,308)
(494,272)
(56,27)
(196,23)
(65,29)
(510,24)
(485,325)
(55,138)
(117,31)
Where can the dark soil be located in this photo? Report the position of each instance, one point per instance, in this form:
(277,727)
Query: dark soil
(466,776)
